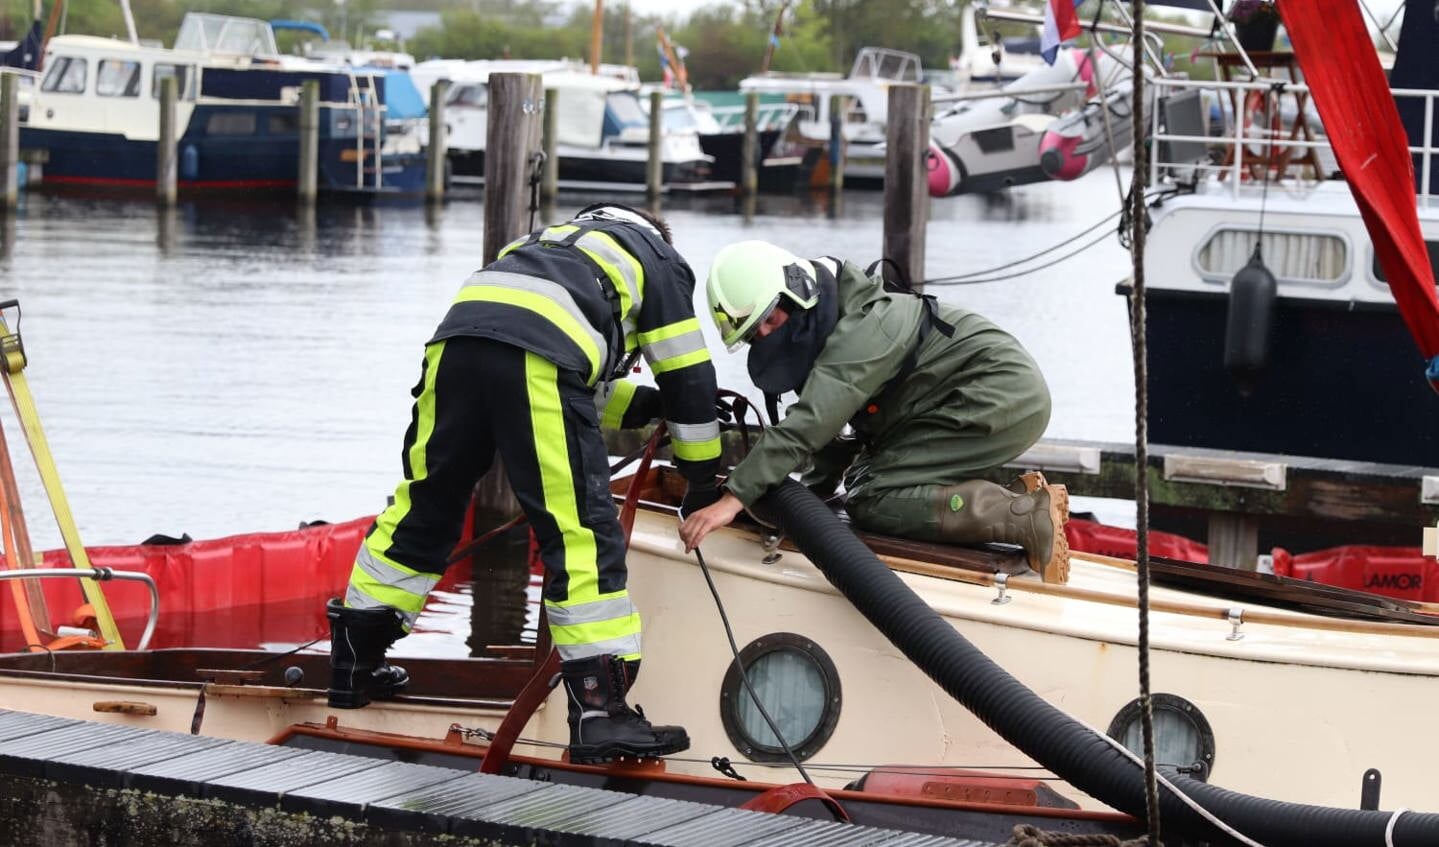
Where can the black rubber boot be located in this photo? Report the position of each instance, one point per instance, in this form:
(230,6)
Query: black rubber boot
(602,725)
(358,641)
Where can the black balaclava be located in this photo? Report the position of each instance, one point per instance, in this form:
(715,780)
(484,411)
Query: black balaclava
(781,361)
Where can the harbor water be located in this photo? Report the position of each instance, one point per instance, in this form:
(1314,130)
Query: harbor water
(233,367)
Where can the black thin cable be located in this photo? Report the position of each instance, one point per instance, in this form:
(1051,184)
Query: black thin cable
(275,657)
(744,677)
(1027,271)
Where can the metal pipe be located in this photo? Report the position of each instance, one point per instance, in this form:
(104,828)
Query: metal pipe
(1026,18)
(1059,88)
(100,575)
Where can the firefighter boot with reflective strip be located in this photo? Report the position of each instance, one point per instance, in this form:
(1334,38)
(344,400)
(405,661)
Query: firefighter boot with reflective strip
(631,670)
(977,512)
(602,726)
(358,641)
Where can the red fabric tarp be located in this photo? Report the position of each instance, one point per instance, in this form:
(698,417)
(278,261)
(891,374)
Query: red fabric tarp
(1351,93)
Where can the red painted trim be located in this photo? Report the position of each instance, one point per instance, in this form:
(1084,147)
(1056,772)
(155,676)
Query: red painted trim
(782,797)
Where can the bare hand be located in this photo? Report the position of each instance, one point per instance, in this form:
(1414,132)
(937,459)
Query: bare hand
(710,518)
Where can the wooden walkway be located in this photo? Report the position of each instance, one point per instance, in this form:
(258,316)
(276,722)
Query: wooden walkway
(388,797)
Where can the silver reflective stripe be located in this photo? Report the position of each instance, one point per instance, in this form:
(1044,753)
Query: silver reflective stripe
(669,348)
(593,612)
(545,288)
(356,599)
(381,572)
(618,259)
(694,432)
(628,645)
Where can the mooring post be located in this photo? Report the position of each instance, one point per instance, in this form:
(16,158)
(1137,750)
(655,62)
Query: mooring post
(654,174)
(511,138)
(836,142)
(749,150)
(10,140)
(906,200)
(166,170)
(550,178)
(309,176)
(439,144)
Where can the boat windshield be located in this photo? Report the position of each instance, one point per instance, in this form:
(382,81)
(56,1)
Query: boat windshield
(206,33)
(625,109)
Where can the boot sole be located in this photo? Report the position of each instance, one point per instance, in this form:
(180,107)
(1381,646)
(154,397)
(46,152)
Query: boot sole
(359,700)
(607,753)
(1056,569)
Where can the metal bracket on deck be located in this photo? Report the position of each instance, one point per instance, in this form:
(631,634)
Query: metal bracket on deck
(1236,620)
(770,543)
(1001,582)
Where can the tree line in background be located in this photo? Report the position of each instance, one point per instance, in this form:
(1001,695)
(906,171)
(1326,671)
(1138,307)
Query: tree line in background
(723,42)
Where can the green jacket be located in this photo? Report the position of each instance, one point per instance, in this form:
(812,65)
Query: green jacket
(972,401)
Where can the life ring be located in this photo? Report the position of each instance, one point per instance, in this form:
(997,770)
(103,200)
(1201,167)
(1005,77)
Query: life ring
(1264,130)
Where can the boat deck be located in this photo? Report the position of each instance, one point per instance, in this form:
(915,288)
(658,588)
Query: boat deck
(386,797)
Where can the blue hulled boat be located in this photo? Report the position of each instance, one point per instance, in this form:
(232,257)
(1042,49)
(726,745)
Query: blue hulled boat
(95,118)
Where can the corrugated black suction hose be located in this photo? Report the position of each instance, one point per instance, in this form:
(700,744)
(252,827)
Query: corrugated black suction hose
(1047,735)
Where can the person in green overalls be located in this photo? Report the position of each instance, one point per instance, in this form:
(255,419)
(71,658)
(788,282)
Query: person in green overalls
(903,400)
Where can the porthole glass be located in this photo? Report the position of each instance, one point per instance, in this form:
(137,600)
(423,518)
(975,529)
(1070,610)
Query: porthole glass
(1182,737)
(799,687)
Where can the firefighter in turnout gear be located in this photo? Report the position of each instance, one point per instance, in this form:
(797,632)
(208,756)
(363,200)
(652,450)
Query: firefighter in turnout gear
(933,396)
(527,363)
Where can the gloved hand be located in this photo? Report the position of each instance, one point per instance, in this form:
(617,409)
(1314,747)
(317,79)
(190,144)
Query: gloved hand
(698,496)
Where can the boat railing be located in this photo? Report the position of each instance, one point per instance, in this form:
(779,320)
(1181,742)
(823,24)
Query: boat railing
(769,116)
(1265,129)
(99,575)
(364,99)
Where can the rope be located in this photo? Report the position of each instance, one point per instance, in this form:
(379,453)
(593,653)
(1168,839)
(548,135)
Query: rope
(1029,835)
(1138,311)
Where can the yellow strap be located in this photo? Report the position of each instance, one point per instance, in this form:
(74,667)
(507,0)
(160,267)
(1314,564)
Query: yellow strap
(24,405)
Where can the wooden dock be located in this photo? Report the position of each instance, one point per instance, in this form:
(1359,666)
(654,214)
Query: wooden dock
(76,782)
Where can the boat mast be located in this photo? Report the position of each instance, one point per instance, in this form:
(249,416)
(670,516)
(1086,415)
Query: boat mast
(129,22)
(775,33)
(597,28)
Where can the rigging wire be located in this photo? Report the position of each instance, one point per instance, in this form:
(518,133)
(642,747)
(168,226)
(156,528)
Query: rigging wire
(744,677)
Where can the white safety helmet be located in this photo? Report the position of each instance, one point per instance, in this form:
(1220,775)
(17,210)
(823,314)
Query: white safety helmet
(746,282)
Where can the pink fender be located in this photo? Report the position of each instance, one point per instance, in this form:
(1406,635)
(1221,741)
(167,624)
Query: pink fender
(1057,156)
(944,172)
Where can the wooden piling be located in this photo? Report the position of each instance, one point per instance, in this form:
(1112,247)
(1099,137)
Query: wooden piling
(439,144)
(550,177)
(512,136)
(906,199)
(654,173)
(309,175)
(749,149)
(836,142)
(9,141)
(166,165)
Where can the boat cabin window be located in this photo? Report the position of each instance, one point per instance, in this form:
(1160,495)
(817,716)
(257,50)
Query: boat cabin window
(183,73)
(1433,247)
(230,123)
(66,76)
(282,123)
(1295,257)
(118,78)
(625,110)
(799,685)
(474,96)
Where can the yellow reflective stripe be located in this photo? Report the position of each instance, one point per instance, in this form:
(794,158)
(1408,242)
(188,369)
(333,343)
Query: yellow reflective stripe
(693,358)
(545,308)
(547,423)
(623,269)
(670,331)
(589,633)
(617,402)
(696,451)
(424,427)
(387,595)
(558,233)
(513,245)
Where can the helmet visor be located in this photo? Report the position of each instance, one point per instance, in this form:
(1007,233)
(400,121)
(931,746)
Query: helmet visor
(736,330)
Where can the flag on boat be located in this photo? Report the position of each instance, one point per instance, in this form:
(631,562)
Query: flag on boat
(1061,23)
(667,73)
